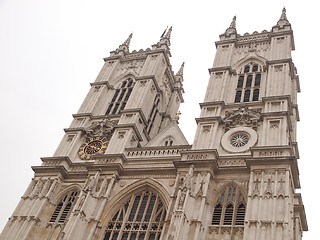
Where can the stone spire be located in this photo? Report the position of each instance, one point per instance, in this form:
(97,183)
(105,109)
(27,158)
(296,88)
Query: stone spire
(123,48)
(164,42)
(168,34)
(283,19)
(180,72)
(232,29)
(127,42)
(233,23)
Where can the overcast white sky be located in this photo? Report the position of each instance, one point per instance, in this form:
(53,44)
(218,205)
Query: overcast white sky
(51,50)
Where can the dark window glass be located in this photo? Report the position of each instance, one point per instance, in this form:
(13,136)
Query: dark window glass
(246,69)
(217,215)
(257,80)
(115,95)
(249,81)
(255,68)
(255,95)
(240,214)
(238,96)
(121,95)
(240,82)
(228,215)
(246,96)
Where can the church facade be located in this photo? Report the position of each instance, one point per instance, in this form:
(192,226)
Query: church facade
(124,169)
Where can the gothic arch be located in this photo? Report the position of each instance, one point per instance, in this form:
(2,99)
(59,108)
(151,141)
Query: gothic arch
(116,83)
(142,205)
(124,195)
(229,184)
(73,187)
(246,60)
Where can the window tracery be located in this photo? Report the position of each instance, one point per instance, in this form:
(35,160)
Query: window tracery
(120,97)
(248,86)
(142,217)
(64,206)
(230,208)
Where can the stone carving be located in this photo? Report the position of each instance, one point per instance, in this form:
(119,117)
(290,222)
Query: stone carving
(232,163)
(268,191)
(182,198)
(242,117)
(101,128)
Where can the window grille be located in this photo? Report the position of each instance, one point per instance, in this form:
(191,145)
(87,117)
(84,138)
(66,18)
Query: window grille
(250,92)
(230,208)
(120,97)
(63,208)
(142,217)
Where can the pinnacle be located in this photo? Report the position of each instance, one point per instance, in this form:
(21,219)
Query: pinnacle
(283,15)
(168,34)
(233,23)
(283,18)
(180,72)
(127,42)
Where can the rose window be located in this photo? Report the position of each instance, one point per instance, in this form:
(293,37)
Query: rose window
(239,139)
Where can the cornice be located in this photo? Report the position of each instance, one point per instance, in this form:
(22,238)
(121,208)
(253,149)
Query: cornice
(133,126)
(208,119)
(136,110)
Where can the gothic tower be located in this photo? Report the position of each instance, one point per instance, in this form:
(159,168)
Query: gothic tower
(124,169)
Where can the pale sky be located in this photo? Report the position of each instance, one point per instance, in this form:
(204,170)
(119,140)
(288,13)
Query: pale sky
(51,50)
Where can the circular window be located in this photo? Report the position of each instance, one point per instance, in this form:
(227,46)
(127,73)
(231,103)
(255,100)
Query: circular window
(239,139)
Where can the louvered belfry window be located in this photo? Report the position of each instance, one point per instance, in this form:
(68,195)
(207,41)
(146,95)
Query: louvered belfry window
(120,97)
(248,85)
(230,208)
(142,217)
(63,208)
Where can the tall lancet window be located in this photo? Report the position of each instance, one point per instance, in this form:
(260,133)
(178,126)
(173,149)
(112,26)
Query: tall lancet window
(248,85)
(230,208)
(142,217)
(153,113)
(64,207)
(120,97)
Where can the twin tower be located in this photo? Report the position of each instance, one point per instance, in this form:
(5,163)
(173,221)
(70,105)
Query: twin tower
(124,169)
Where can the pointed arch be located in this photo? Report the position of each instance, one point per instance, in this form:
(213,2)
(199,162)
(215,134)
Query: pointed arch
(65,201)
(230,205)
(121,95)
(139,210)
(248,59)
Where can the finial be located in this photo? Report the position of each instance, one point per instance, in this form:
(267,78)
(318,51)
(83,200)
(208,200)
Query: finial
(283,15)
(177,117)
(168,34)
(233,23)
(127,42)
(283,19)
(180,72)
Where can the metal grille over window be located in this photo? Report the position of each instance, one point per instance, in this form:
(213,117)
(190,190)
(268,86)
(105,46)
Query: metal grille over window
(63,208)
(230,208)
(142,217)
(120,97)
(251,76)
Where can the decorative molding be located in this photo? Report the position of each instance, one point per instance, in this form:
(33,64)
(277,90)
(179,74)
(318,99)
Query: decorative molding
(242,117)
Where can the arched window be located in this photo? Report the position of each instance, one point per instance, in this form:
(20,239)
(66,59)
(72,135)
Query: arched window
(250,91)
(63,208)
(168,142)
(230,208)
(142,217)
(120,97)
(153,113)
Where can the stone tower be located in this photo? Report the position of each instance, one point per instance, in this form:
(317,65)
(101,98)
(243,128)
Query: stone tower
(124,169)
